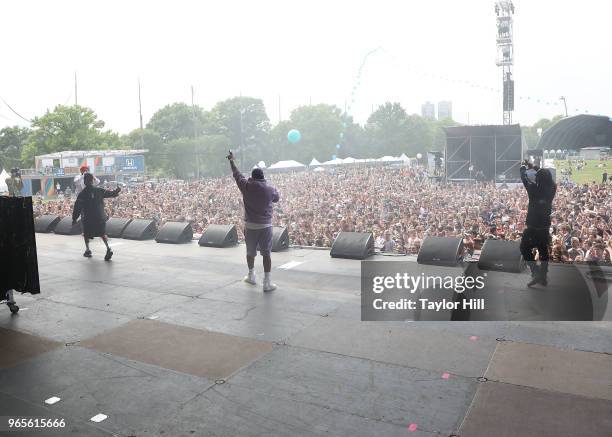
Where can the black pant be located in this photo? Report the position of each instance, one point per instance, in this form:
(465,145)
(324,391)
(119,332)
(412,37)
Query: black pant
(535,238)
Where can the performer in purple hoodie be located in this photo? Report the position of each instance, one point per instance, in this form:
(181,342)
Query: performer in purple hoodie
(257,197)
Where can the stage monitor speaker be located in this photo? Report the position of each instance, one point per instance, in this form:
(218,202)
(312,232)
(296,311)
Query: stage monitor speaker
(115,226)
(280,239)
(46,223)
(219,236)
(140,229)
(65,227)
(175,233)
(502,256)
(353,245)
(441,251)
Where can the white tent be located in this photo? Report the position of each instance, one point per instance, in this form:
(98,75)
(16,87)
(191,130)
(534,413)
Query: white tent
(314,162)
(336,161)
(404,158)
(349,160)
(3,176)
(388,159)
(319,169)
(286,165)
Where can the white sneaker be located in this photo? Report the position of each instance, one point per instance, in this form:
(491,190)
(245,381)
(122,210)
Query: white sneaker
(269,286)
(251,278)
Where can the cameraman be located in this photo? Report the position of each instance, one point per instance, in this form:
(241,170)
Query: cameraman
(541,192)
(14,183)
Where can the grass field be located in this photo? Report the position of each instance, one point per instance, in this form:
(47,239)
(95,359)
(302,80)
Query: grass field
(588,174)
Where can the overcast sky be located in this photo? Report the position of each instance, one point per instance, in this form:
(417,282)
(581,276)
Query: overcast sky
(305,51)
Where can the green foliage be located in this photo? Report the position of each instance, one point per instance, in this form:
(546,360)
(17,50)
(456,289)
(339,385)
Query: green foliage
(12,141)
(180,156)
(531,132)
(391,131)
(242,120)
(67,128)
(320,126)
(178,120)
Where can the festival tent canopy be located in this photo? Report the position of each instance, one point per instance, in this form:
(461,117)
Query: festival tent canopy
(336,161)
(389,159)
(319,169)
(314,162)
(349,160)
(286,165)
(404,158)
(3,176)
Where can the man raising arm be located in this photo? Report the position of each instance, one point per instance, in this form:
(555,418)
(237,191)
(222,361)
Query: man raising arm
(257,197)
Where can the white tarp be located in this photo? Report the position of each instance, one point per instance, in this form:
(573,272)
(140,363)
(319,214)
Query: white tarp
(3,177)
(388,159)
(314,162)
(336,161)
(286,164)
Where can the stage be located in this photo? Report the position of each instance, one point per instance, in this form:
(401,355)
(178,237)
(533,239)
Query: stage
(166,340)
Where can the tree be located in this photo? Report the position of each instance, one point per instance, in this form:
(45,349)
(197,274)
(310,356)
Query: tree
(178,120)
(180,156)
(387,129)
(150,140)
(531,132)
(67,128)
(244,122)
(12,141)
(320,126)
(438,134)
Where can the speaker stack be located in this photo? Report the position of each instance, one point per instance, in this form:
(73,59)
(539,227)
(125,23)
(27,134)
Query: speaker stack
(46,223)
(219,236)
(280,239)
(175,233)
(353,245)
(439,257)
(115,226)
(140,229)
(65,227)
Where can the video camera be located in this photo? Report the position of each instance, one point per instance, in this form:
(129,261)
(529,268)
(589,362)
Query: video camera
(15,172)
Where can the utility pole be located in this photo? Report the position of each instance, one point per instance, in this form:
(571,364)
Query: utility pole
(76,100)
(195,135)
(564,103)
(140,113)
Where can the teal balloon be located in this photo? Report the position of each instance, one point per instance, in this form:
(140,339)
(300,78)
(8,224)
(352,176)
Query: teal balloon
(337,146)
(294,136)
(341,135)
(333,157)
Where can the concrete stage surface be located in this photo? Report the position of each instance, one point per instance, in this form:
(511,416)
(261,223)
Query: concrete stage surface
(167,340)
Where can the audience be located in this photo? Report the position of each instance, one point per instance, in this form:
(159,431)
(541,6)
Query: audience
(400,206)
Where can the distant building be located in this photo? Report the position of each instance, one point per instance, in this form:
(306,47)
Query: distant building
(428,110)
(594,152)
(445,110)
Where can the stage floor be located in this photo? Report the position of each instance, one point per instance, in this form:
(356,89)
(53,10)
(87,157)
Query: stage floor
(167,340)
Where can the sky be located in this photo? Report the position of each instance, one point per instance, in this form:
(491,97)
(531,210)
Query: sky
(301,52)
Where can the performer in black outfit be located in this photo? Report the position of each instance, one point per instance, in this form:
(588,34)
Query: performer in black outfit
(90,205)
(537,234)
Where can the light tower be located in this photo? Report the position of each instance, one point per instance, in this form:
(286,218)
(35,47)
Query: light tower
(505,53)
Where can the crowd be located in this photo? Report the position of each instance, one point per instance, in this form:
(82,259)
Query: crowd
(400,206)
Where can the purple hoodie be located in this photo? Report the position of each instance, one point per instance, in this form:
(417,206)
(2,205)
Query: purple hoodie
(258,197)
